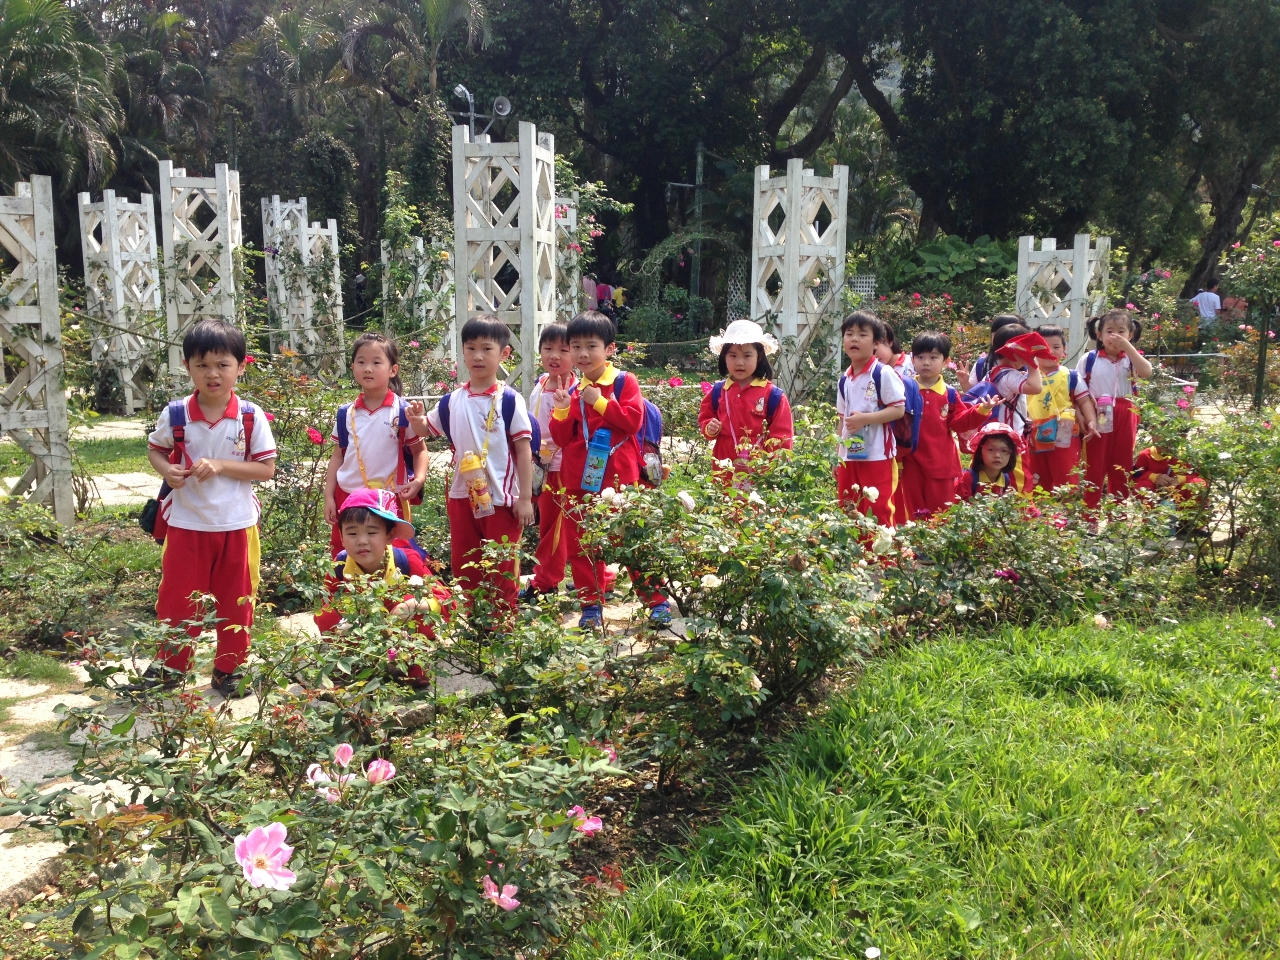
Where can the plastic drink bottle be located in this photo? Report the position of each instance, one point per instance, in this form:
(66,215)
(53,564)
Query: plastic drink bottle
(1066,427)
(855,446)
(598,451)
(1106,414)
(471,469)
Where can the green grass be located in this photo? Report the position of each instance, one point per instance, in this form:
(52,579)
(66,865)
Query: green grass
(95,457)
(1068,794)
(36,668)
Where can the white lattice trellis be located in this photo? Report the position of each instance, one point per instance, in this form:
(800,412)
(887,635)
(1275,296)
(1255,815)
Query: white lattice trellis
(304,280)
(33,407)
(737,294)
(122,287)
(505,236)
(200,226)
(568,260)
(1065,287)
(797,253)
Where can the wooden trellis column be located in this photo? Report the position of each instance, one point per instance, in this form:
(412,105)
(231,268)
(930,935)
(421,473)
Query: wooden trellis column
(122,287)
(33,407)
(306,316)
(200,224)
(568,260)
(1065,287)
(504,237)
(797,261)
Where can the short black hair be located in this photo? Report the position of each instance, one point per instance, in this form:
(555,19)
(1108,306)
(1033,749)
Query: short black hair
(865,321)
(763,367)
(362,515)
(890,337)
(1003,336)
(931,341)
(1211,283)
(486,326)
(1004,319)
(1048,330)
(553,333)
(592,323)
(214,336)
(978,461)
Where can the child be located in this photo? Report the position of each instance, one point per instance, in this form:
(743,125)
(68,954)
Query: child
(889,352)
(376,430)
(1055,415)
(552,553)
(1168,477)
(744,411)
(995,468)
(375,543)
(1012,378)
(210,448)
(488,430)
(605,399)
(869,397)
(978,372)
(1108,372)
(929,473)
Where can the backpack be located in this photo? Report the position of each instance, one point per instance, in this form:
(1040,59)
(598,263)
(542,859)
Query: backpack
(906,429)
(649,444)
(405,472)
(508,414)
(770,406)
(152,519)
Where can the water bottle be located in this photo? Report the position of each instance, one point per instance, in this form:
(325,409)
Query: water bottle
(855,446)
(597,460)
(1066,428)
(1106,414)
(471,469)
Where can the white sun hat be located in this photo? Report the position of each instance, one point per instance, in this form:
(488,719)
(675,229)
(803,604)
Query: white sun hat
(745,331)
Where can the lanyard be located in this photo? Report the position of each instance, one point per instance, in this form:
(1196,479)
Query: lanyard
(355,442)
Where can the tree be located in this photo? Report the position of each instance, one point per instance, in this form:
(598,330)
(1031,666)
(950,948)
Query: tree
(421,28)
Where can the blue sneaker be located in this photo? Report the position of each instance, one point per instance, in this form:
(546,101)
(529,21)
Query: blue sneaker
(660,615)
(592,618)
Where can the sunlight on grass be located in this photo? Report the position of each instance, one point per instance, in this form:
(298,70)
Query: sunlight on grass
(36,668)
(1069,794)
(96,457)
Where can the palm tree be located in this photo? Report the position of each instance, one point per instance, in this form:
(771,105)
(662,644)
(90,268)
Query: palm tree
(419,28)
(57,112)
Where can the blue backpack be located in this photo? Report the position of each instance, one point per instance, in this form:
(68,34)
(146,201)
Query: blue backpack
(406,473)
(770,406)
(508,414)
(906,429)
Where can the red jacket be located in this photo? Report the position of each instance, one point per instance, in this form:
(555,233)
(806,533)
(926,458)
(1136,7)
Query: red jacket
(1150,464)
(936,454)
(742,418)
(969,485)
(621,409)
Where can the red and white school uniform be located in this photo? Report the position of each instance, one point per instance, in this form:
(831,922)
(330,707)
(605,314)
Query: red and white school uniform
(476,424)
(1150,463)
(744,421)
(620,408)
(212,545)
(971,484)
(857,393)
(1109,457)
(904,367)
(553,548)
(928,478)
(374,456)
(1059,466)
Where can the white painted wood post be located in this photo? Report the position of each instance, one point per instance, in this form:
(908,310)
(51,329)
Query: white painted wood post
(1085,270)
(33,408)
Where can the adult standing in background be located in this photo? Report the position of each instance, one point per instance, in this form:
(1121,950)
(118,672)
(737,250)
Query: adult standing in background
(1208,303)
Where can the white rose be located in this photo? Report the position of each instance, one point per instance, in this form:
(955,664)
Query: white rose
(883,541)
(710,581)
(871,493)
(415,581)
(754,681)
(754,497)
(1224,456)
(687,501)
(724,464)
(1101,622)
(608,494)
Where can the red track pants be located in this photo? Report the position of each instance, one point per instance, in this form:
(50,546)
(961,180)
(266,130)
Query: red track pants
(1109,458)
(1055,468)
(881,474)
(553,546)
(590,576)
(467,537)
(922,495)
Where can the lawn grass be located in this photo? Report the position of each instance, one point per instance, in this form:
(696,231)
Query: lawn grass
(95,457)
(36,668)
(1073,793)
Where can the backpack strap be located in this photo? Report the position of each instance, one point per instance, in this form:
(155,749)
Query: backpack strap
(508,408)
(247,413)
(178,426)
(775,400)
(1090,359)
(876,371)
(401,561)
(717,391)
(343,412)
(952,396)
(1073,382)
(442,412)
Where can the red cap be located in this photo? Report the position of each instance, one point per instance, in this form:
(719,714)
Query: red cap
(997,429)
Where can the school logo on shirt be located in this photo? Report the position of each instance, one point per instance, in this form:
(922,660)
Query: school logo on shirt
(871,390)
(239,444)
(946,410)
(760,405)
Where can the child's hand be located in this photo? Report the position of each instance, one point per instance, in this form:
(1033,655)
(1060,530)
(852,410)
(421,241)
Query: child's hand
(987,404)
(204,468)
(966,384)
(330,509)
(1117,343)
(175,474)
(523,510)
(590,395)
(405,609)
(855,421)
(409,490)
(562,392)
(1162,480)
(1091,431)
(417,414)
(712,429)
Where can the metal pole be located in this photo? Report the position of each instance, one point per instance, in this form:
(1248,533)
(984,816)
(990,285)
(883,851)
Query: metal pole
(695,272)
(1260,381)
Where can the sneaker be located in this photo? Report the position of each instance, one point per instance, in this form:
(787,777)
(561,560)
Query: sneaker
(592,618)
(156,675)
(660,614)
(228,684)
(531,596)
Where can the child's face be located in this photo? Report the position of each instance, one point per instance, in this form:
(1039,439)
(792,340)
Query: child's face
(366,543)
(1114,334)
(1058,347)
(483,358)
(997,453)
(590,354)
(555,358)
(214,374)
(884,352)
(929,366)
(371,368)
(740,360)
(859,342)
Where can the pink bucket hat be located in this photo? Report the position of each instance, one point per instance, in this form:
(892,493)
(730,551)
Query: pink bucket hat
(382,503)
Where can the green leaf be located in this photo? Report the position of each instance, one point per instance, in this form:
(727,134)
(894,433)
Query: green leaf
(128,951)
(188,905)
(306,927)
(282,951)
(258,928)
(373,874)
(83,924)
(217,909)
(968,918)
(208,842)
(124,726)
(139,927)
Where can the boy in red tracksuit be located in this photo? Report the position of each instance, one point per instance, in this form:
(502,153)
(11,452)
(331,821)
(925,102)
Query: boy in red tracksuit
(210,448)
(605,398)
(375,543)
(929,473)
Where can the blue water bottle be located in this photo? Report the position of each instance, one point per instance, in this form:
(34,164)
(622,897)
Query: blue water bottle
(597,459)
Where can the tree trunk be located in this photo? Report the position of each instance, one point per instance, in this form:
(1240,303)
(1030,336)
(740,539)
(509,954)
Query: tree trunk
(1229,201)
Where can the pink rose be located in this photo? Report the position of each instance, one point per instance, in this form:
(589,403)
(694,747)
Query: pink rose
(414,343)
(1184,403)
(380,771)
(706,387)
(270,417)
(506,899)
(315,436)
(262,855)
(675,382)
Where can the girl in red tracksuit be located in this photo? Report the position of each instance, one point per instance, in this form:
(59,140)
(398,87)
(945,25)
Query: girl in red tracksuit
(996,468)
(745,412)
(1109,371)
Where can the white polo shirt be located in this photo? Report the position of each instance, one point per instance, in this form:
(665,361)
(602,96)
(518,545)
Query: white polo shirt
(856,393)
(1008,383)
(219,503)
(468,415)
(541,403)
(377,433)
(1110,378)
(1208,303)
